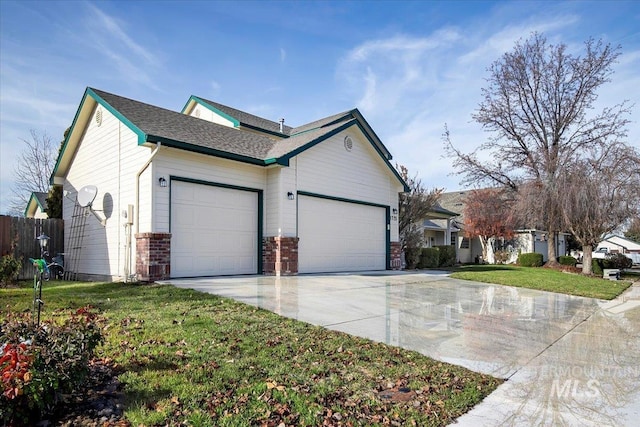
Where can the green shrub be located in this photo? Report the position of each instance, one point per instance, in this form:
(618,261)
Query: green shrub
(567,260)
(9,269)
(596,266)
(617,261)
(530,259)
(429,258)
(38,363)
(447,255)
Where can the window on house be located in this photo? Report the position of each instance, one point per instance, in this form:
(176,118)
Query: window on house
(454,237)
(464,244)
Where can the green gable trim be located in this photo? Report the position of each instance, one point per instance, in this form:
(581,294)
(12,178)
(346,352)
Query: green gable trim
(284,160)
(209,107)
(90,93)
(384,157)
(142,137)
(205,150)
(66,140)
(33,197)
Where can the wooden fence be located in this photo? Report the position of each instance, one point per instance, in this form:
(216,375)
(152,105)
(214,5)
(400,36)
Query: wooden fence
(18,236)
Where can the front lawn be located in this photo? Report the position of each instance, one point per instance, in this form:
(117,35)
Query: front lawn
(188,358)
(544,279)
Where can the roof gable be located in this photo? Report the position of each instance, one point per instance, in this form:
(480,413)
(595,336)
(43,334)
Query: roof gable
(154,124)
(37,200)
(237,117)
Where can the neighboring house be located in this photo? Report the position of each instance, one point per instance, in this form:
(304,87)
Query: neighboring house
(37,206)
(213,190)
(619,244)
(440,227)
(470,250)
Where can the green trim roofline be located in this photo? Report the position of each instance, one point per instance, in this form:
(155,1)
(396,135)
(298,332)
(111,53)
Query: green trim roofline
(284,160)
(236,122)
(90,93)
(143,138)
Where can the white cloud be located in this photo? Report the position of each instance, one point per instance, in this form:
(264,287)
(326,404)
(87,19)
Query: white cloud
(408,87)
(283,55)
(106,36)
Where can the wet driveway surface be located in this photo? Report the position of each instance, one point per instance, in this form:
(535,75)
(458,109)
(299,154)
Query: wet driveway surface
(568,360)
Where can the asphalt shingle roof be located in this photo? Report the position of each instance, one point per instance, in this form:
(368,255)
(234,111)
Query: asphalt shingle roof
(162,124)
(41,198)
(171,125)
(249,119)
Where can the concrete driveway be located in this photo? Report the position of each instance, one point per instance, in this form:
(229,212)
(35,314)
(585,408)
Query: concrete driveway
(568,360)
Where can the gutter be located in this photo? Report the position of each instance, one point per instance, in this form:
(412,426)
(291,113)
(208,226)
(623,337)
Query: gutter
(140,172)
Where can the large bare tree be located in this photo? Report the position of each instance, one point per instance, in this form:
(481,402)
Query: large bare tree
(414,208)
(599,194)
(538,107)
(32,170)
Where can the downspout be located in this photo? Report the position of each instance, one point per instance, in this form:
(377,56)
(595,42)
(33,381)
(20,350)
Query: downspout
(137,205)
(140,172)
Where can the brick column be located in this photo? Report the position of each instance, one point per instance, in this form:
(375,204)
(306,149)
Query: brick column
(280,256)
(396,253)
(153,256)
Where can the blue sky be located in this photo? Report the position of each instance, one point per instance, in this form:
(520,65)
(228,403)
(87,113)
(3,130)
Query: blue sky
(410,67)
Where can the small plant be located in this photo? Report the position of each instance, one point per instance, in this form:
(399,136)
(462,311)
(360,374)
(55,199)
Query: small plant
(37,364)
(530,259)
(567,260)
(9,269)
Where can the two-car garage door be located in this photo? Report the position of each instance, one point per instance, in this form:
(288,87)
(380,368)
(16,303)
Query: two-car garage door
(340,236)
(214,230)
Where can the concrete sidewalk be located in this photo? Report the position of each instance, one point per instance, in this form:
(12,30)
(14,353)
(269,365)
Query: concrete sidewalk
(568,360)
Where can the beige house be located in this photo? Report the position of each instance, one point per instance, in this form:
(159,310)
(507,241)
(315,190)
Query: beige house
(469,250)
(212,190)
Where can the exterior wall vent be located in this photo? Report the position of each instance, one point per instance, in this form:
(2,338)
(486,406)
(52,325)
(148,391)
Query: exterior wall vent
(99,116)
(197,113)
(348,143)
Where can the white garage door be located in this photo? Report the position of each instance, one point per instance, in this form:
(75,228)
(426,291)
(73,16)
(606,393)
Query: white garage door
(214,230)
(340,236)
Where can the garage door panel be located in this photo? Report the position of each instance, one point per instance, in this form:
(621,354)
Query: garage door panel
(340,236)
(214,230)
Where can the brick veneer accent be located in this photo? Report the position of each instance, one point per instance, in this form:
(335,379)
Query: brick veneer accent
(153,256)
(396,252)
(280,256)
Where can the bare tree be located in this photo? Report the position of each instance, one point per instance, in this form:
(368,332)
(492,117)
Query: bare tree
(537,105)
(32,170)
(414,208)
(599,194)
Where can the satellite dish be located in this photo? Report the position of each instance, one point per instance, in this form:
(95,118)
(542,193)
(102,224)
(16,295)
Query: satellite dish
(86,195)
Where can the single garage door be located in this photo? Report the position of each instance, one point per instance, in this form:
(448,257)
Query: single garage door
(340,236)
(214,230)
